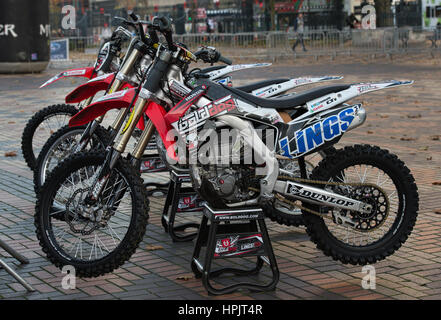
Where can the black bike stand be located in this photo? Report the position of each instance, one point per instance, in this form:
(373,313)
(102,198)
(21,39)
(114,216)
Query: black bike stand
(9,270)
(153,164)
(224,239)
(180,199)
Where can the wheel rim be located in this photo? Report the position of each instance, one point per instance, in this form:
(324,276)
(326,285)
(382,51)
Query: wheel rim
(46,128)
(99,239)
(60,149)
(363,173)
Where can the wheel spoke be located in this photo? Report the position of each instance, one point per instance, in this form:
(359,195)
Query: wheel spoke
(371,175)
(79,235)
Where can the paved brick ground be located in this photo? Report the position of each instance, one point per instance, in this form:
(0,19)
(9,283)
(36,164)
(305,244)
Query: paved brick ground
(404,120)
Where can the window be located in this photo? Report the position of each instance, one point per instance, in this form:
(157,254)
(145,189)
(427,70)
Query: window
(430,12)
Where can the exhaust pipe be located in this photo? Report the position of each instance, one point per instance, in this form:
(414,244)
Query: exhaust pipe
(359,117)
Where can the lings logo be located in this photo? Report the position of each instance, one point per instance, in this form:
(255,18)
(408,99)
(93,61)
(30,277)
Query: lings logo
(317,134)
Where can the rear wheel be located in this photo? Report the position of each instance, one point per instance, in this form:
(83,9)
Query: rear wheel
(392,193)
(93,238)
(40,127)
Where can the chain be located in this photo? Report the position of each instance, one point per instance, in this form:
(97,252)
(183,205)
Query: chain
(294,204)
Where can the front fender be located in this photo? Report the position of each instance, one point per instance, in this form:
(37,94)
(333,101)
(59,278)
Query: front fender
(79,72)
(90,88)
(118,100)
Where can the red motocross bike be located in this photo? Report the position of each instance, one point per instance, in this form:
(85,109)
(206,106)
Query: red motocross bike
(48,120)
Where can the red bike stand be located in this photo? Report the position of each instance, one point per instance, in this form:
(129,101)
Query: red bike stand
(179,200)
(224,239)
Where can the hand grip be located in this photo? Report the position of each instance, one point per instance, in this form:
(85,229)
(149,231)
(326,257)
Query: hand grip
(163,25)
(225,60)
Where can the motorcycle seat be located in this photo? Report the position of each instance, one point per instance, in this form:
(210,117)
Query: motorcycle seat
(256,85)
(289,102)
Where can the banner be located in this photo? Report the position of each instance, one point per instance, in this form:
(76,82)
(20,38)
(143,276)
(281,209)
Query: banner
(60,50)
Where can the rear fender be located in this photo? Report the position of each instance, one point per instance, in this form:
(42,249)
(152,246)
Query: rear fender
(80,72)
(118,100)
(90,88)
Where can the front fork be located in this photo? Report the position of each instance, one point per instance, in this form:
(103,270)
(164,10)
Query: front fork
(114,152)
(116,85)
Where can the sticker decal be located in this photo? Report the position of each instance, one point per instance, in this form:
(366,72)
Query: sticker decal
(192,97)
(178,90)
(152,165)
(366,87)
(104,76)
(190,203)
(318,133)
(239,245)
(293,189)
(112,96)
(198,117)
(78,72)
(320,103)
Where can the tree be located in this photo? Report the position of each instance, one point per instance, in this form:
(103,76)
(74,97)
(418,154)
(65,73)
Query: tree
(384,13)
(337,13)
(270,15)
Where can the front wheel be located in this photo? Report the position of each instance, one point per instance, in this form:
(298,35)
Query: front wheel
(95,238)
(373,176)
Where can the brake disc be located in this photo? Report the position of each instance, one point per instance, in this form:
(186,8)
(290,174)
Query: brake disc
(80,214)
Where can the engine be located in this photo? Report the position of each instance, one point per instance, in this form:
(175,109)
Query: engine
(221,184)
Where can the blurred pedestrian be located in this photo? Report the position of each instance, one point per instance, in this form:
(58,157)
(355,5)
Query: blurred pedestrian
(352,21)
(298,28)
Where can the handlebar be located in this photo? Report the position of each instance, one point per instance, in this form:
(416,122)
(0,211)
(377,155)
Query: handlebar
(211,55)
(137,24)
(164,25)
(152,33)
